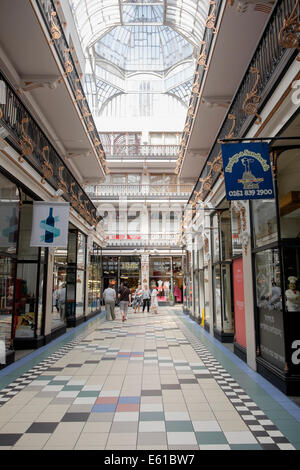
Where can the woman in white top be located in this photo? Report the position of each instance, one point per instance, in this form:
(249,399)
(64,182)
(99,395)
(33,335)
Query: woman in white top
(138,297)
(154,301)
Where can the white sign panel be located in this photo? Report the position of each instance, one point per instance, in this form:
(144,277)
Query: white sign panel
(9,223)
(50,224)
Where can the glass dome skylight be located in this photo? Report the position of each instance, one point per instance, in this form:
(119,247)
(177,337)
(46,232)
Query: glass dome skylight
(144,47)
(125,39)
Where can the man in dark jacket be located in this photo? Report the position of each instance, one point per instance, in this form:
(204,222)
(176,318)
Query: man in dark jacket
(125,300)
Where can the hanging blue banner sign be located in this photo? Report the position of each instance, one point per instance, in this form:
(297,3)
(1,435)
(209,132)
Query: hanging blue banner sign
(247,171)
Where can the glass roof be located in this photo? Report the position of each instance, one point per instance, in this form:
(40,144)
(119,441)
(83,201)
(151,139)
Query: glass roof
(94,18)
(141,53)
(144,47)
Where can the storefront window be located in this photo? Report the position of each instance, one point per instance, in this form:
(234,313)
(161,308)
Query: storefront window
(7,279)
(160,277)
(225,228)
(30,285)
(80,274)
(177,279)
(215,238)
(288,167)
(9,217)
(264,222)
(94,284)
(196,294)
(217,297)
(59,287)
(226,299)
(237,249)
(25,305)
(269,305)
(40,306)
(130,271)
(206,296)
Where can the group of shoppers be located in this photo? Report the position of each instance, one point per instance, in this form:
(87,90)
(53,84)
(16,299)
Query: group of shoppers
(141,297)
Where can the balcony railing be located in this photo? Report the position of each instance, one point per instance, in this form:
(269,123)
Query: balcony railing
(159,239)
(26,137)
(142,152)
(96,192)
(267,66)
(55,29)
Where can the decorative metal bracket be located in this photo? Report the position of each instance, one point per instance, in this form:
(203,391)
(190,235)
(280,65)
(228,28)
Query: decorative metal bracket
(202,57)
(68,64)
(211,19)
(55,31)
(288,35)
(46,167)
(62,184)
(252,100)
(25,142)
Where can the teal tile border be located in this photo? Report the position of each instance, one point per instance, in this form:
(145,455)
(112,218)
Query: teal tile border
(20,367)
(280,409)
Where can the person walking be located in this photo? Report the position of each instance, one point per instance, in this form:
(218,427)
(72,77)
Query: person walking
(146,296)
(154,301)
(125,300)
(109,297)
(137,299)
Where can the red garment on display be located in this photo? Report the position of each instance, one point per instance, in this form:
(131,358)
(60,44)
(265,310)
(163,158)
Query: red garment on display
(177,293)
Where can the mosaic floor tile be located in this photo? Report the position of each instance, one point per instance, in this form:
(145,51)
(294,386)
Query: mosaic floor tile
(42,428)
(149,383)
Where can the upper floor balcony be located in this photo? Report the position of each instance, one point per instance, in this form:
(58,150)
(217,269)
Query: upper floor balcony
(271,63)
(112,191)
(20,130)
(141,152)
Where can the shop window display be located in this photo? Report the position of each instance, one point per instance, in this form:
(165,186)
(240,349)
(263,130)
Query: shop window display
(7,280)
(130,271)
(269,305)
(59,287)
(222,279)
(215,238)
(160,277)
(94,283)
(217,297)
(9,216)
(177,269)
(264,222)
(206,295)
(237,249)
(29,286)
(80,274)
(226,299)
(225,231)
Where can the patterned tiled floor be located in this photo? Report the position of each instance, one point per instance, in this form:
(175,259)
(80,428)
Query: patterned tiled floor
(149,383)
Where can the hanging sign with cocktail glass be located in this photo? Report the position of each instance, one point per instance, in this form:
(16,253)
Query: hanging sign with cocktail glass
(247,171)
(50,224)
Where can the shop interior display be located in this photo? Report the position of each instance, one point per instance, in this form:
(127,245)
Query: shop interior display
(292,295)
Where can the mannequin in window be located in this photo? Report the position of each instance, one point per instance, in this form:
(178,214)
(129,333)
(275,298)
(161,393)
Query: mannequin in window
(292,295)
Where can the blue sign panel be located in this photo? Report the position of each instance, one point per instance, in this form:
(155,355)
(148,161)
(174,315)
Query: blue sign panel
(247,171)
